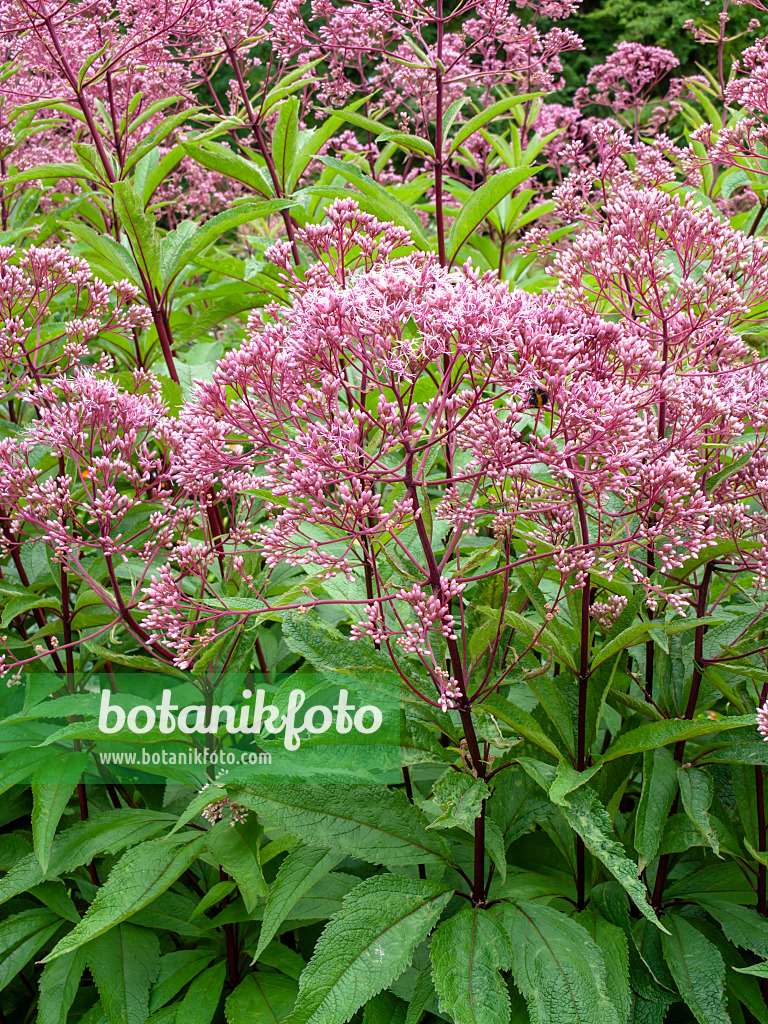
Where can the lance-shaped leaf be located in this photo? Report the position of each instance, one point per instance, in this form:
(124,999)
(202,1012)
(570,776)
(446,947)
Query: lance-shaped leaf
(261,999)
(58,987)
(52,786)
(656,799)
(21,937)
(202,997)
(587,816)
(696,790)
(614,946)
(366,945)
(671,730)
(480,204)
(108,832)
(140,228)
(744,926)
(557,967)
(698,970)
(468,951)
(124,963)
(303,866)
(369,822)
(138,878)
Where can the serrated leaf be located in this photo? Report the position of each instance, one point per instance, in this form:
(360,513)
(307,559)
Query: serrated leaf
(670,730)
(140,875)
(303,866)
(369,822)
(261,999)
(366,946)
(743,926)
(21,937)
(124,963)
(58,987)
(52,785)
(468,951)
(557,967)
(284,139)
(698,970)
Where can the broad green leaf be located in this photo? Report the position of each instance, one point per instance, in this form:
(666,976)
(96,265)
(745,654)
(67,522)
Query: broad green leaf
(696,789)
(215,227)
(124,963)
(303,866)
(614,946)
(468,951)
(627,638)
(202,997)
(107,832)
(139,877)
(587,816)
(411,143)
(369,822)
(480,204)
(366,946)
(671,730)
(486,115)
(173,245)
(21,937)
(58,987)
(261,999)
(385,1008)
(656,799)
(698,970)
(52,785)
(557,967)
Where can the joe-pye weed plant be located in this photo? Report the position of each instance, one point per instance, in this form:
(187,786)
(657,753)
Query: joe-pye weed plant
(318,378)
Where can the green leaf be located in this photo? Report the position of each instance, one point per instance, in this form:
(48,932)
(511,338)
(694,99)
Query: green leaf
(58,987)
(671,730)
(52,786)
(202,999)
(627,638)
(387,206)
(743,926)
(411,143)
(698,970)
(225,161)
(107,832)
(303,866)
(656,798)
(124,963)
(215,227)
(614,946)
(468,951)
(173,245)
(369,822)
(521,721)
(366,945)
(587,816)
(284,139)
(236,848)
(557,967)
(486,115)
(261,999)
(140,228)
(480,204)
(461,798)
(22,935)
(177,969)
(696,790)
(139,877)
(423,994)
